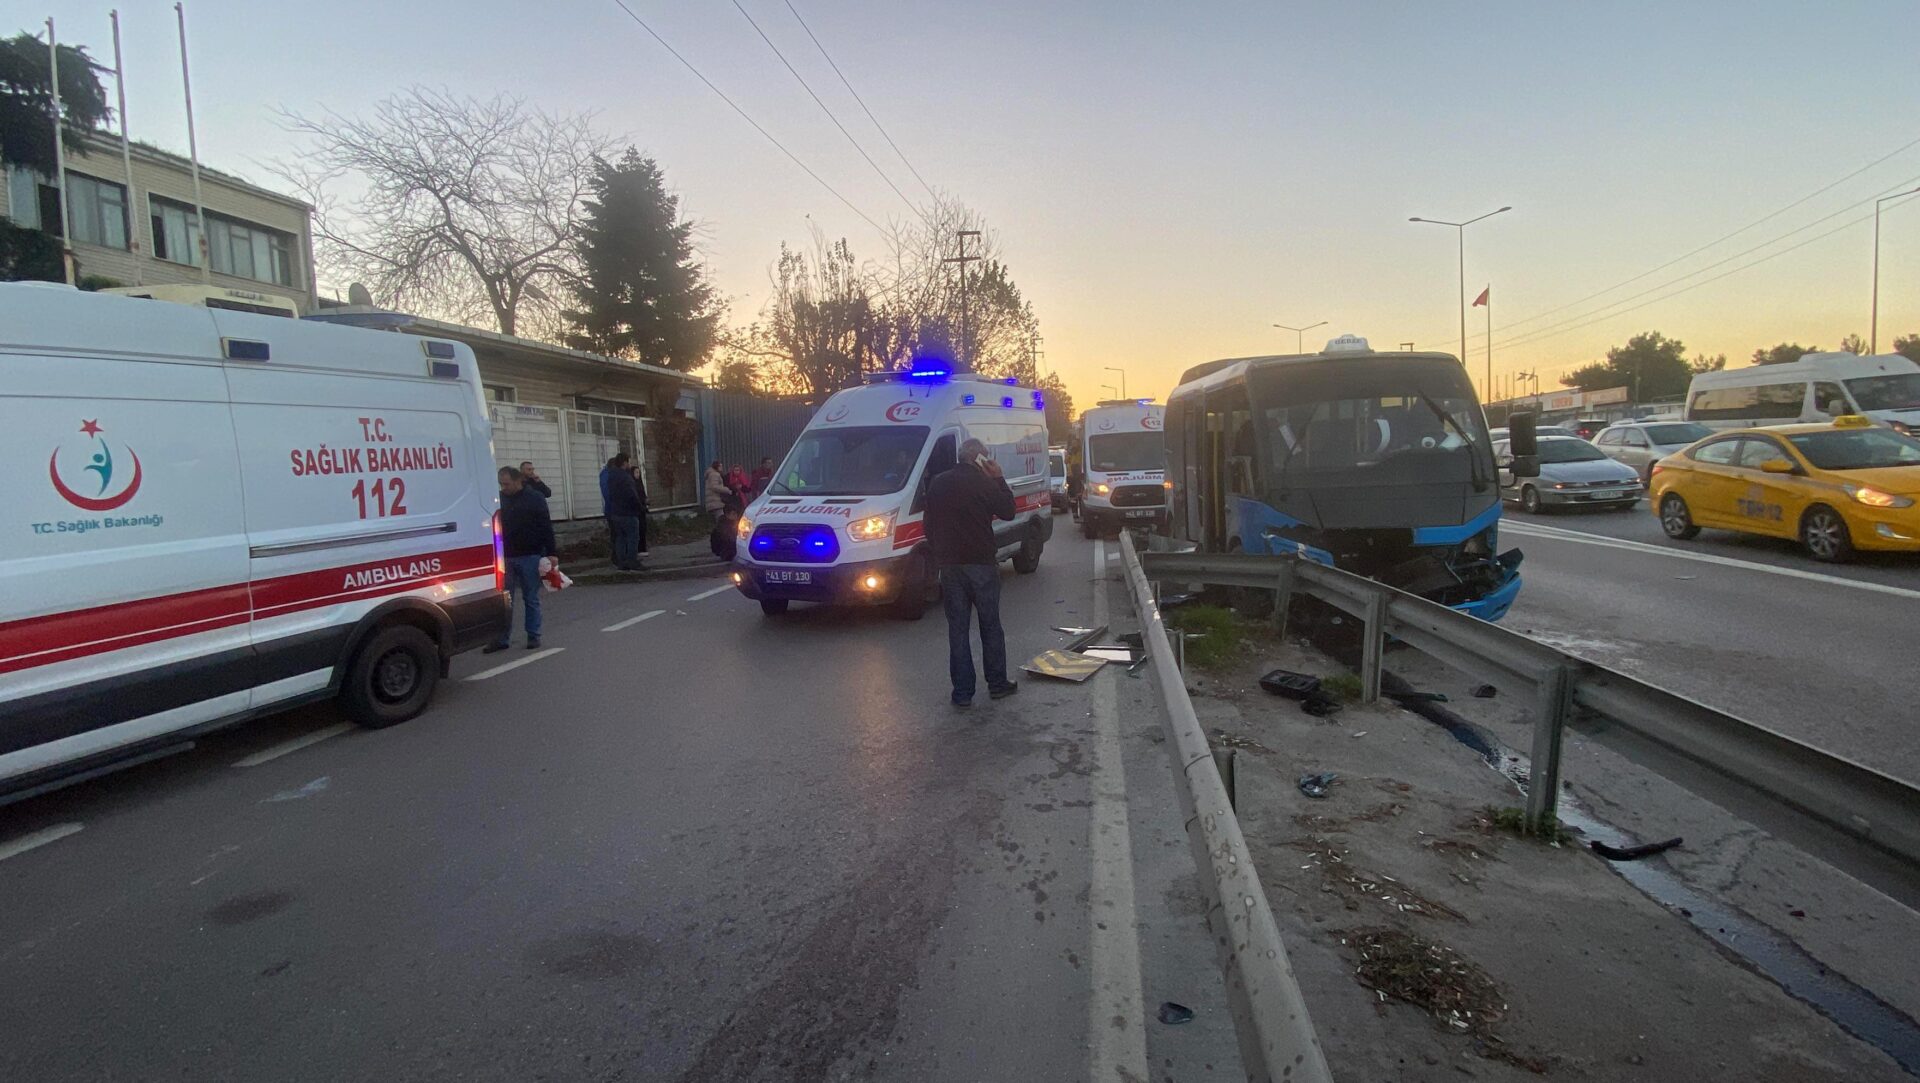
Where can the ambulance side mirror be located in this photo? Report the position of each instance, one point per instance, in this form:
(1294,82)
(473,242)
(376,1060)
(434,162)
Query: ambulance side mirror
(1523,443)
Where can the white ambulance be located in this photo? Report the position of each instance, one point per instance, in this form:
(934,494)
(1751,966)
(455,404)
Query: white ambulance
(217,514)
(844,519)
(1122,447)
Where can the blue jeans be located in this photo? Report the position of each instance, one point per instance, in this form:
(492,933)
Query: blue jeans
(523,580)
(965,589)
(626,539)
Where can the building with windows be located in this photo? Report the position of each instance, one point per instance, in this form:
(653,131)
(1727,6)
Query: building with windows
(256,239)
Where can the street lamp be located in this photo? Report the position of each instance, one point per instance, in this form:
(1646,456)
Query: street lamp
(1123,379)
(1298,332)
(1873,334)
(1461,229)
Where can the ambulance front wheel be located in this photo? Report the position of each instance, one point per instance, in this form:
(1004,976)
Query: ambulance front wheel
(773,607)
(1027,560)
(392,678)
(911,602)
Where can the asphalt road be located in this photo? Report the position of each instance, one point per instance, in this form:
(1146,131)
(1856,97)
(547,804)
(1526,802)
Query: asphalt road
(705,846)
(1753,626)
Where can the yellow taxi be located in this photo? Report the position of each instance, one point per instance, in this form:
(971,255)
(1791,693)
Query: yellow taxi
(1832,487)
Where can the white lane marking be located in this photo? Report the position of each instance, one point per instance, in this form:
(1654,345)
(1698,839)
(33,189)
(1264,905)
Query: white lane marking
(722,589)
(631,621)
(295,745)
(39,838)
(1115,1016)
(318,785)
(516,663)
(1579,537)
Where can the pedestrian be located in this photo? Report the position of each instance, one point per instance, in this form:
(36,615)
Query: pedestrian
(640,483)
(763,476)
(715,488)
(606,475)
(740,485)
(962,504)
(533,481)
(624,508)
(526,535)
(723,539)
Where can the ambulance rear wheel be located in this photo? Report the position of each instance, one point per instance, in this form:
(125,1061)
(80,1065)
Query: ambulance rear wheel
(392,678)
(773,607)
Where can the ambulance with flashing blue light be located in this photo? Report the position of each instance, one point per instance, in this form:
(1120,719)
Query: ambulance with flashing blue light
(1123,447)
(843,522)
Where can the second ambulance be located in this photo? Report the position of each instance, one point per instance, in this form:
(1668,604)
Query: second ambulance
(844,519)
(1123,449)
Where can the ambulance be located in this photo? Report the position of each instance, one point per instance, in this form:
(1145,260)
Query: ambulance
(215,514)
(844,519)
(1122,449)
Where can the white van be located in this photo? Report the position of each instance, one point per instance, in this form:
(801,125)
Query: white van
(1057,478)
(844,519)
(218,514)
(1123,447)
(1818,387)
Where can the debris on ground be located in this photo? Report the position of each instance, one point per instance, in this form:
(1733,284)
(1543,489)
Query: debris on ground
(1633,853)
(1168,601)
(1354,886)
(1433,977)
(1320,705)
(1234,740)
(1175,1014)
(1285,682)
(1485,691)
(1316,785)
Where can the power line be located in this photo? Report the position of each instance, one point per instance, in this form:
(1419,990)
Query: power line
(1720,240)
(1550,328)
(862,101)
(823,107)
(743,116)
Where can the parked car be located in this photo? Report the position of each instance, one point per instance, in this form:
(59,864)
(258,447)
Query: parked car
(1640,444)
(1573,473)
(1543,430)
(1833,487)
(1586,427)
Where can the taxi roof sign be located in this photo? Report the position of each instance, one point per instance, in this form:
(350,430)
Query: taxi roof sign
(1852,421)
(1348,344)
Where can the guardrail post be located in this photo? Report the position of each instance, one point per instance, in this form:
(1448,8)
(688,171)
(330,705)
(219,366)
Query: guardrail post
(1373,631)
(1551,710)
(1282,600)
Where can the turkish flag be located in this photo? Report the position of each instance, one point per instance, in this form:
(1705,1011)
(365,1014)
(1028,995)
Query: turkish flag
(1482,299)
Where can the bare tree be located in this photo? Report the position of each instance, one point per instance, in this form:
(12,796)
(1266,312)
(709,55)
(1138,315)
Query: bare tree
(454,206)
(919,296)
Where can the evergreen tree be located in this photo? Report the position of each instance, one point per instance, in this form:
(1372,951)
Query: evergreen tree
(641,294)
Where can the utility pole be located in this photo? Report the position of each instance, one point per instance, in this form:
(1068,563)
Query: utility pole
(1873,323)
(966,318)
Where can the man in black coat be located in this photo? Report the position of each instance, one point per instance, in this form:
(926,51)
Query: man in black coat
(526,535)
(962,504)
(624,508)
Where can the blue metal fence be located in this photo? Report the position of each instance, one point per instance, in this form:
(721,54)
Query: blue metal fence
(739,428)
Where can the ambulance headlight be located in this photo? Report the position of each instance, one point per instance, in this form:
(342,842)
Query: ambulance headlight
(1102,488)
(744,528)
(872,528)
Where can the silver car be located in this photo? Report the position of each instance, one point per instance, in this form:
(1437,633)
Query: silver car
(1640,444)
(1573,473)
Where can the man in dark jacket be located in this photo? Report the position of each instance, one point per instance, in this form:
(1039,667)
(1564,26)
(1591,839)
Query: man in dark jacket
(531,478)
(962,504)
(624,509)
(526,535)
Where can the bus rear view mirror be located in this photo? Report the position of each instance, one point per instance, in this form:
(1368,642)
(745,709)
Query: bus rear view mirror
(1523,443)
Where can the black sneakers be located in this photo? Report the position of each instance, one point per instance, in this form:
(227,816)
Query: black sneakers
(1003,692)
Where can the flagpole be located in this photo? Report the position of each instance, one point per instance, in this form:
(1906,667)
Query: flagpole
(126,152)
(60,159)
(1489,333)
(193,152)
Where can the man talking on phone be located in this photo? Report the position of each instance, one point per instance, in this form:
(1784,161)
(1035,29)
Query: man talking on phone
(962,504)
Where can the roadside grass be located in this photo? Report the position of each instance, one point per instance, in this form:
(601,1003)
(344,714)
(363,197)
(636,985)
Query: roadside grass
(1344,685)
(1513,821)
(1214,634)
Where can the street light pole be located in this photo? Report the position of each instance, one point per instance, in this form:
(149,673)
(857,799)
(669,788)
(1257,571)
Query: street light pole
(1460,228)
(1873,333)
(1298,332)
(1123,379)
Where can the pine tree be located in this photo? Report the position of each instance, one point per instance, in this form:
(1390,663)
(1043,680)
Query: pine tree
(641,293)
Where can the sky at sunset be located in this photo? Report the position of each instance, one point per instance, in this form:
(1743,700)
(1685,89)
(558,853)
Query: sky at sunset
(1169,180)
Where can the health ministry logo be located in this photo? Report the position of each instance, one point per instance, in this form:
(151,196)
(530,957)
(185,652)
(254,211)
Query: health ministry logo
(97,475)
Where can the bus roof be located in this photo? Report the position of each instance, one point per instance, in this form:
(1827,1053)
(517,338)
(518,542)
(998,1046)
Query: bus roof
(1215,373)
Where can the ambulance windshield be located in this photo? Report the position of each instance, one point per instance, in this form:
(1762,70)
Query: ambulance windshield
(1126,451)
(856,460)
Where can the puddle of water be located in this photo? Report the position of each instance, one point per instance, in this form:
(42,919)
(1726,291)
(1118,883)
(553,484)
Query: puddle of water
(1858,1011)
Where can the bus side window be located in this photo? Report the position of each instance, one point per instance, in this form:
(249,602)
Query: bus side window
(940,460)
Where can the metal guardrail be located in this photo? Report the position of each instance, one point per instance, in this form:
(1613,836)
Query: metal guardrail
(1276,1038)
(1859,820)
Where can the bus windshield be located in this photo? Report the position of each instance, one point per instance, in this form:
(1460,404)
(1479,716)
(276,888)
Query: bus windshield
(1126,451)
(1373,424)
(858,460)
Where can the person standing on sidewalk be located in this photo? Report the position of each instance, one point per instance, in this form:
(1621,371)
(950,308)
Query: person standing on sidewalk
(962,505)
(532,479)
(624,509)
(715,489)
(526,535)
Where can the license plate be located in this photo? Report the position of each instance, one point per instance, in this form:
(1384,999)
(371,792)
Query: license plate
(1141,513)
(1610,494)
(787,576)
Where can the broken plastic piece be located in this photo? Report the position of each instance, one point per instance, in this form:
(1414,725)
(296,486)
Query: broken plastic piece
(1420,697)
(1168,601)
(1316,785)
(1320,705)
(1485,691)
(1285,682)
(1174,1014)
(1633,853)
